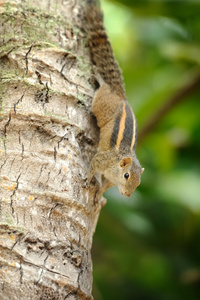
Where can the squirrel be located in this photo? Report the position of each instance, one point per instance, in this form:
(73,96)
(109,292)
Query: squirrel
(115,157)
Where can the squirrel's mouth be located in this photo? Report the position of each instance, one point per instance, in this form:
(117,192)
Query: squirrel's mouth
(127,194)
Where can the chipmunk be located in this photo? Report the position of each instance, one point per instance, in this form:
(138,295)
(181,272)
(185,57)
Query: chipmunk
(115,157)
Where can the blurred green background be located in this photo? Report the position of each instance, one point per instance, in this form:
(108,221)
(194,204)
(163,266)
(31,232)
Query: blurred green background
(147,247)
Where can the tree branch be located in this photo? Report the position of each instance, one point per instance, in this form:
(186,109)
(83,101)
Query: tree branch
(180,96)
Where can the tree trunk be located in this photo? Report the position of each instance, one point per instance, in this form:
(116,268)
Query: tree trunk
(47,139)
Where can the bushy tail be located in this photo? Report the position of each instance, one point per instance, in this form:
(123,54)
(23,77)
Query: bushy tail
(101,49)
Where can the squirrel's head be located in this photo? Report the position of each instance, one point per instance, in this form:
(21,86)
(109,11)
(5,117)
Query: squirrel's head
(126,175)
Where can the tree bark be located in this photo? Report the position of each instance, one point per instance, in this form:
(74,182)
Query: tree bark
(47,139)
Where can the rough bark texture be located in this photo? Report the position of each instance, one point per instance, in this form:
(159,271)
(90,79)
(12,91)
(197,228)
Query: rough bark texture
(47,138)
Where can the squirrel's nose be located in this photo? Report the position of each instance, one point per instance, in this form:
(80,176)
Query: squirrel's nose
(127,194)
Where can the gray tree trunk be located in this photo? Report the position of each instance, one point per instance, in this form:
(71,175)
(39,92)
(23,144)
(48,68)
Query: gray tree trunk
(47,138)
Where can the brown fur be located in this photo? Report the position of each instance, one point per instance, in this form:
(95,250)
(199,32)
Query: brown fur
(115,157)
(105,106)
(101,49)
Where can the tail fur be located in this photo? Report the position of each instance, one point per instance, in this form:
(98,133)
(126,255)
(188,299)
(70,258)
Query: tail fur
(101,49)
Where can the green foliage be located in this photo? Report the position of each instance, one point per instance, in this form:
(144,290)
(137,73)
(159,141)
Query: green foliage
(148,246)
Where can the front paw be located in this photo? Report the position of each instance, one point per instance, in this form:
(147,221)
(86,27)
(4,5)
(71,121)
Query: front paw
(89,180)
(99,198)
(86,183)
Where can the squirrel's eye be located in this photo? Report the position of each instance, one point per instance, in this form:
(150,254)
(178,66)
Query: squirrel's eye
(126,176)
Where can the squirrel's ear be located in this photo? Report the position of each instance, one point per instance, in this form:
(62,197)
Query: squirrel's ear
(125,162)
